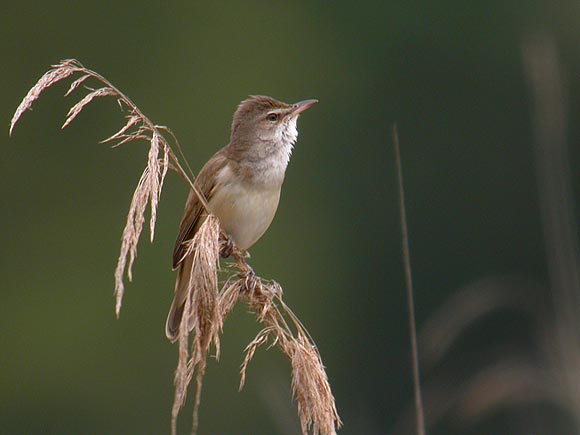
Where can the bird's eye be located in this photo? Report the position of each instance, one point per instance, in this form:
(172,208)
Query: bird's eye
(272,117)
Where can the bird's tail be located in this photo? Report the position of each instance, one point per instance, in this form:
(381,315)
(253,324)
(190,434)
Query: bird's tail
(177,307)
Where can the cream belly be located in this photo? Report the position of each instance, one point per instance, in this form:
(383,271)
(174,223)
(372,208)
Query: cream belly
(245,212)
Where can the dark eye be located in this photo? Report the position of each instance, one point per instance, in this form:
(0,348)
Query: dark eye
(272,117)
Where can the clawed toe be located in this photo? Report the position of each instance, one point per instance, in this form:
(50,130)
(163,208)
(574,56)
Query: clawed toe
(226,247)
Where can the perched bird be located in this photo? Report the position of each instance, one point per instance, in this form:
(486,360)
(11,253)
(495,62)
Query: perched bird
(241,183)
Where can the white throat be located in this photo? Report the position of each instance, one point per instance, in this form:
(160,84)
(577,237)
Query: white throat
(286,136)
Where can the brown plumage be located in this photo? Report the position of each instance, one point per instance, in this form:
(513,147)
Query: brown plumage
(241,183)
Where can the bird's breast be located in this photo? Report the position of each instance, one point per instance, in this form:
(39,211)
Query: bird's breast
(245,210)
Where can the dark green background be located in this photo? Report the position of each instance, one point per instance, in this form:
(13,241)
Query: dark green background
(449,73)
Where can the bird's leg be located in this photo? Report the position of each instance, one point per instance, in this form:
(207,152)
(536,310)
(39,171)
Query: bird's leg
(246,273)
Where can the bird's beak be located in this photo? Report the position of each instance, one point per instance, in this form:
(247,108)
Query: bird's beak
(301,106)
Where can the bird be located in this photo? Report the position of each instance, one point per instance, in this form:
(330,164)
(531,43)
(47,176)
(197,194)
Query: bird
(241,183)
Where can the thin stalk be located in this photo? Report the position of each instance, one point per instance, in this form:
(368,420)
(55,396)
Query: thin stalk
(409,284)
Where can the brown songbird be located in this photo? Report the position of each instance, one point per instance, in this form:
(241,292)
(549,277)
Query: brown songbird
(241,183)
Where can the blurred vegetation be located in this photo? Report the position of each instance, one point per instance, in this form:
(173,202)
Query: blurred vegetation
(450,74)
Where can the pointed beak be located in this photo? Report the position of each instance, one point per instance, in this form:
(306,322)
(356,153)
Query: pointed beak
(301,106)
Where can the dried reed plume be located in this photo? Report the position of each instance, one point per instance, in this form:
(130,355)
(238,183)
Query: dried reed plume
(206,307)
(310,385)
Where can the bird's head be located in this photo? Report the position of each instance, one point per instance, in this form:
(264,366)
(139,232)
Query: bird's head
(267,125)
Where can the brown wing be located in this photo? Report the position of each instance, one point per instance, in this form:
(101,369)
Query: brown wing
(194,213)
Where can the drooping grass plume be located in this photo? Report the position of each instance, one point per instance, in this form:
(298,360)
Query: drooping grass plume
(201,316)
(138,126)
(310,386)
(56,74)
(206,306)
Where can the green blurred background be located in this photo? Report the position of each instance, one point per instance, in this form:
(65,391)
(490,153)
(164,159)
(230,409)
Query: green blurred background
(449,73)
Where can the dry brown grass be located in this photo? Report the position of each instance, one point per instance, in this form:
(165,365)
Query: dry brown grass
(310,387)
(206,306)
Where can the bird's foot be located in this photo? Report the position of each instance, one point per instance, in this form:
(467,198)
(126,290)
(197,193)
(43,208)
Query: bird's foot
(226,247)
(249,277)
